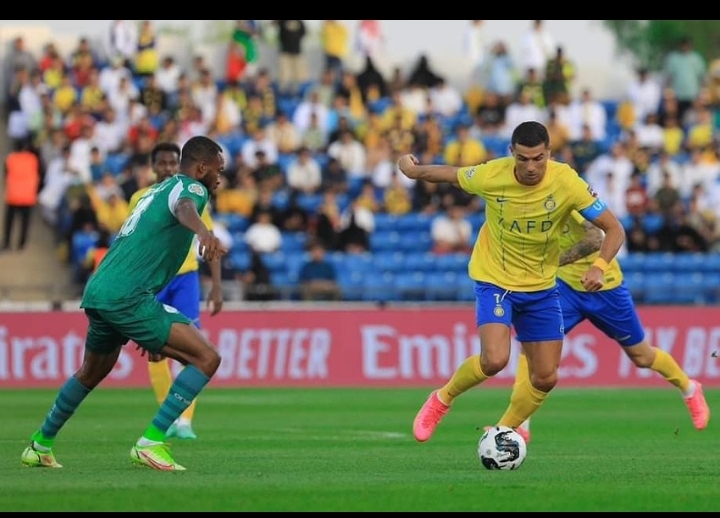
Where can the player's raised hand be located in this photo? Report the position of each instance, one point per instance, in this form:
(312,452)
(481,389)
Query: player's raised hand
(211,249)
(406,164)
(593,280)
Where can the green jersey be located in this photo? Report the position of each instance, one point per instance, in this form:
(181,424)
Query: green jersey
(149,249)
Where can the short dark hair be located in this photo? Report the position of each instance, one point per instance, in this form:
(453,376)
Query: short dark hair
(164,146)
(198,149)
(530,134)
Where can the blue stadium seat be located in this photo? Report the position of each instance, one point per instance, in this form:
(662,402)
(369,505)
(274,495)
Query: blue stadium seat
(711,263)
(115,162)
(293,242)
(285,160)
(424,262)
(352,285)
(240,260)
(393,262)
(414,222)
(627,221)
(689,262)
(652,223)
(275,261)
(280,199)
(386,222)
(384,240)
(632,262)
(442,286)
(635,282)
(82,242)
(236,223)
(659,262)
(410,286)
(359,262)
(310,203)
(457,263)
(711,282)
(379,288)
(415,242)
(689,288)
(659,288)
(380,105)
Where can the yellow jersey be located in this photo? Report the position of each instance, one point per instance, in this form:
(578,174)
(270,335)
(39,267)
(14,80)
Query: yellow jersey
(517,248)
(572,233)
(191,263)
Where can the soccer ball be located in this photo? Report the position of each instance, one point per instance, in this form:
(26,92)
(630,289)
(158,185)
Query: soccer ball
(501,447)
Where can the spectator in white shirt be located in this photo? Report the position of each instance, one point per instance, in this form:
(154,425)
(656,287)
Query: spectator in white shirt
(350,153)
(644,93)
(304,174)
(122,40)
(259,142)
(537,46)
(309,106)
(110,76)
(522,110)
(446,98)
(451,232)
(168,75)
(587,111)
(262,235)
(109,136)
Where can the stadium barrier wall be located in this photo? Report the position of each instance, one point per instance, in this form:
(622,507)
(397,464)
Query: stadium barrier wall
(366,347)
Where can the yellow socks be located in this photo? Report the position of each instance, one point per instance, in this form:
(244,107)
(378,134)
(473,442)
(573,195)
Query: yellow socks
(524,400)
(161,379)
(467,376)
(668,368)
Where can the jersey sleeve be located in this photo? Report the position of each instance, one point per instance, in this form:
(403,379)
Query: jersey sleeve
(577,217)
(192,190)
(584,199)
(472,179)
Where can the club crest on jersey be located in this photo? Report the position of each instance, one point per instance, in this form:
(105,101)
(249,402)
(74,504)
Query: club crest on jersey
(196,188)
(470,172)
(550,203)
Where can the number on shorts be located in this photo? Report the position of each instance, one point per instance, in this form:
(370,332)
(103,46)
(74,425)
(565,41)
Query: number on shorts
(131,223)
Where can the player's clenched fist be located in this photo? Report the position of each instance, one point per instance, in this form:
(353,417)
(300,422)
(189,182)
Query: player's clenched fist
(594,279)
(406,164)
(210,247)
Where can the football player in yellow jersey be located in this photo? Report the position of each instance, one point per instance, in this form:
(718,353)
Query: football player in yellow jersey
(612,310)
(182,293)
(528,199)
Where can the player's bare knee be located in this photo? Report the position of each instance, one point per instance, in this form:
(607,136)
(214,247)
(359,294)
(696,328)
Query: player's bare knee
(493,362)
(544,382)
(208,362)
(642,355)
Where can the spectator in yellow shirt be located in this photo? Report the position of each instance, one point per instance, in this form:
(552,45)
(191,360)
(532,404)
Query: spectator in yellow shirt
(334,37)
(464,150)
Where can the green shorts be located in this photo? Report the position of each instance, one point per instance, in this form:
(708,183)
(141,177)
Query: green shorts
(146,322)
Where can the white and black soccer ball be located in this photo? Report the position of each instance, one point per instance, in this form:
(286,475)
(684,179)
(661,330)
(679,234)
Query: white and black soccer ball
(501,447)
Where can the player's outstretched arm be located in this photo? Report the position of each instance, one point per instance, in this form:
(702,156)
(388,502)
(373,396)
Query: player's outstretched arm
(410,166)
(614,238)
(589,244)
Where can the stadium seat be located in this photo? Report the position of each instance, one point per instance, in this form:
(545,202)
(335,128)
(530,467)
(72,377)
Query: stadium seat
(635,282)
(280,199)
(711,264)
(415,242)
(414,222)
(711,283)
(457,263)
(384,240)
(379,288)
(410,286)
(352,285)
(310,203)
(293,242)
(115,162)
(275,262)
(424,262)
(393,262)
(652,223)
(240,260)
(442,286)
(632,262)
(82,242)
(689,288)
(659,288)
(659,262)
(689,262)
(359,262)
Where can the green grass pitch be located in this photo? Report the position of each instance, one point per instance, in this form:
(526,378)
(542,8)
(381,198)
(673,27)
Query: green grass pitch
(352,450)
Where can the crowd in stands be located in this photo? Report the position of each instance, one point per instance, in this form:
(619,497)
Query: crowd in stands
(311,204)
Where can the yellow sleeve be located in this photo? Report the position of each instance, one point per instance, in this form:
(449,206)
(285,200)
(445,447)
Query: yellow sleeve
(206,218)
(472,179)
(580,193)
(577,217)
(134,199)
